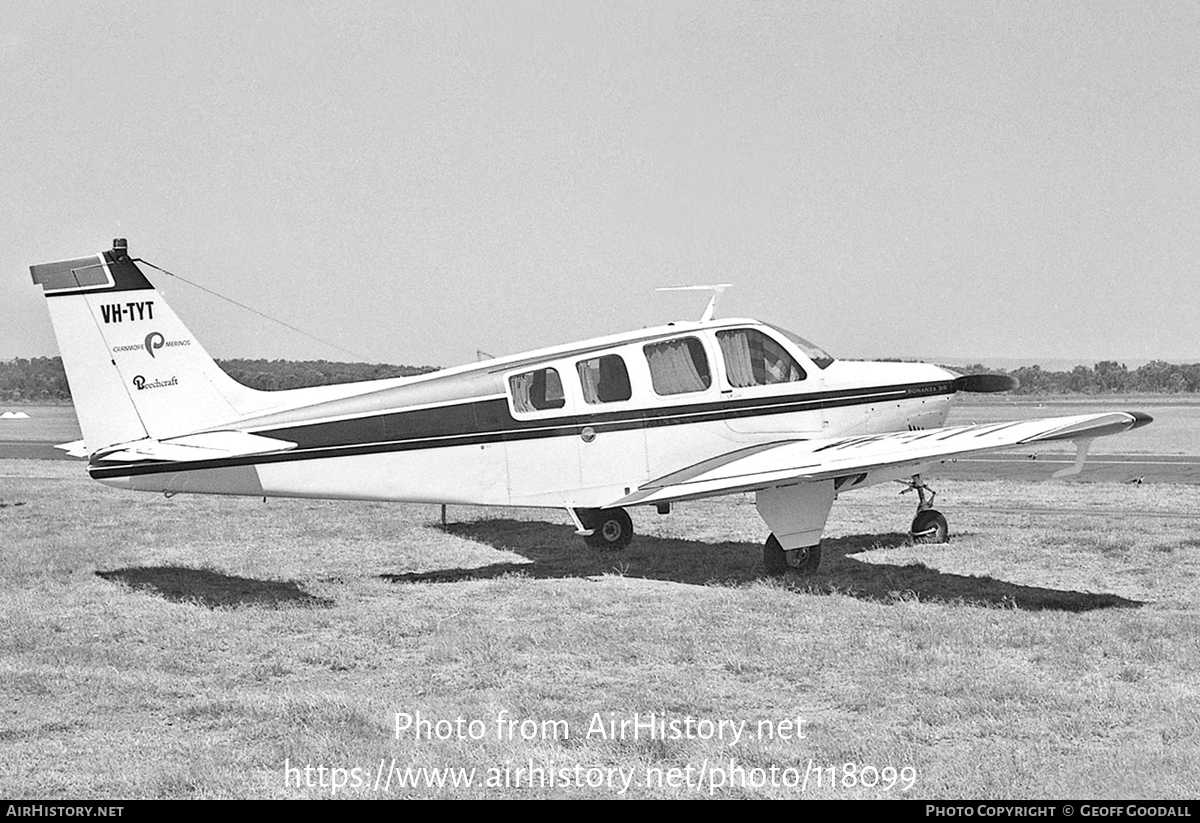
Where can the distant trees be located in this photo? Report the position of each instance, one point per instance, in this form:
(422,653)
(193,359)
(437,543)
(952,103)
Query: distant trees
(36,380)
(272,375)
(1106,377)
(41,379)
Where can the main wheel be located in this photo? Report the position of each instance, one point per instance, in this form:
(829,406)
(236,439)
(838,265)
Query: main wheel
(779,560)
(930,527)
(613,529)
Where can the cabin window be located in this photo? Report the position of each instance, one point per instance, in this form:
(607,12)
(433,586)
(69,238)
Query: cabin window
(753,359)
(536,391)
(678,366)
(604,379)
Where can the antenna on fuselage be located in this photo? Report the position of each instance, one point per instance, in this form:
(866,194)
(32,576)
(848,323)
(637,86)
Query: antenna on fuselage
(717,291)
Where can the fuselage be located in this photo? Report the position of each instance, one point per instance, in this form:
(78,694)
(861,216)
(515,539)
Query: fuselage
(651,417)
(576,426)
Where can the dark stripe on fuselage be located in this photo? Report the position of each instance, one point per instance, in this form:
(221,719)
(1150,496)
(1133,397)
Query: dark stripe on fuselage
(489,421)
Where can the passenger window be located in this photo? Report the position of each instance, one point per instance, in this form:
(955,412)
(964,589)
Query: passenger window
(678,366)
(604,379)
(536,391)
(753,359)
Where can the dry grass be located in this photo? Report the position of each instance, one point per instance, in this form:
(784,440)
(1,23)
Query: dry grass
(191,647)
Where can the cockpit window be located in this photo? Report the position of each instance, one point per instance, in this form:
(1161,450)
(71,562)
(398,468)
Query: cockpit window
(678,366)
(815,353)
(537,390)
(604,379)
(753,359)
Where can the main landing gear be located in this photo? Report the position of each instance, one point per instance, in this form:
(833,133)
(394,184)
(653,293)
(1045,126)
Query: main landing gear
(603,528)
(778,560)
(929,526)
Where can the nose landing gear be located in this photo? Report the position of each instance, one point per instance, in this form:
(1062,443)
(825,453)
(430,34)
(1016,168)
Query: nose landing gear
(929,526)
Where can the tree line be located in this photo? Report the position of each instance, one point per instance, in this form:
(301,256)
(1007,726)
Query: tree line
(1106,377)
(42,380)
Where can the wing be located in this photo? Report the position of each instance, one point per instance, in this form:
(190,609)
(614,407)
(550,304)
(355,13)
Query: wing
(845,459)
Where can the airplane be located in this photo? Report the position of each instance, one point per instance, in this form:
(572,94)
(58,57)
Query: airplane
(653,417)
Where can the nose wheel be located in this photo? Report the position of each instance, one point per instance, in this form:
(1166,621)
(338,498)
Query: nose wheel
(929,526)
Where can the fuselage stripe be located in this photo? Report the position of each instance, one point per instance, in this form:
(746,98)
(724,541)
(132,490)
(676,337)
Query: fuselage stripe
(489,421)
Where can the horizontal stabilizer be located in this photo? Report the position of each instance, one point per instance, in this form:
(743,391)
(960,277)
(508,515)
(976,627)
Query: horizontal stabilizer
(205,446)
(76,448)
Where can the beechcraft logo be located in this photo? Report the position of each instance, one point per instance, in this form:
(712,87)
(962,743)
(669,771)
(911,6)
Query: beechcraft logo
(141,384)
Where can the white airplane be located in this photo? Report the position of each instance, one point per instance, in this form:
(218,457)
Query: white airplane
(651,417)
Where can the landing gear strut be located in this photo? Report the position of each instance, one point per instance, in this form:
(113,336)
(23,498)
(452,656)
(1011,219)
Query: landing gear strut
(779,560)
(929,526)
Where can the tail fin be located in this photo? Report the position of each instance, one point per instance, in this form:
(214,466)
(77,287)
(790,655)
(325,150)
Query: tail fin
(134,369)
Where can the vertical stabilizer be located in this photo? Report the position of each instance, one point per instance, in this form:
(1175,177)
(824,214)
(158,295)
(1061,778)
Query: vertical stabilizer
(134,369)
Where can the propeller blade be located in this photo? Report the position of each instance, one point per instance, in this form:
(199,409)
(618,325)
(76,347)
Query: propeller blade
(986,383)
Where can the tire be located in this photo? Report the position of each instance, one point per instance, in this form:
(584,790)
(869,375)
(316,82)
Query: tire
(613,529)
(930,527)
(779,560)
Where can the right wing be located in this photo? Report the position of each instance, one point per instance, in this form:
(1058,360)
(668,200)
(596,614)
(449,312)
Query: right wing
(850,459)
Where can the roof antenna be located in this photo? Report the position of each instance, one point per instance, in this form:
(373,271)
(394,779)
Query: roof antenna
(717,290)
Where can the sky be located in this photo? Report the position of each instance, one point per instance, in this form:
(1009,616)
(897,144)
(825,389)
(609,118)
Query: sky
(416,181)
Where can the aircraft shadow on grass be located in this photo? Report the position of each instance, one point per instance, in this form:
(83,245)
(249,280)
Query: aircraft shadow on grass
(553,552)
(212,589)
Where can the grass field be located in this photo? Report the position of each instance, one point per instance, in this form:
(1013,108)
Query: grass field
(195,647)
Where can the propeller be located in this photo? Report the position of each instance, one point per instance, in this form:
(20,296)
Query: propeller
(986,383)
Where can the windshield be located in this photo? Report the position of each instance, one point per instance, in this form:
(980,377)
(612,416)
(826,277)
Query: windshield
(815,353)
